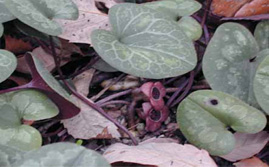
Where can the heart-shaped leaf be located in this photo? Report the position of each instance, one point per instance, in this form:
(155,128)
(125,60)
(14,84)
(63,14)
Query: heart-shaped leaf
(261,83)
(9,155)
(228,63)
(191,27)
(262,34)
(29,31)
(179,11)
(8,63)
(204,117)
(1,30)
(103,66)
(39,14)
(5,15)
(23,105)
(144,43)
(175,8)
(62,155)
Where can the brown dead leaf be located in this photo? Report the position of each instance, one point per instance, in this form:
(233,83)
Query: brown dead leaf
(90,18)
(159,154)
(46,58)
(252,162)
(227,8)
(82,81)
(90,124)
(17,46)
(69,48)
(247,145)
(19,80)
(254,7)
(239,8)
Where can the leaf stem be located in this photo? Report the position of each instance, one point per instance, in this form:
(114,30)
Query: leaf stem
(26,86)
(113,96)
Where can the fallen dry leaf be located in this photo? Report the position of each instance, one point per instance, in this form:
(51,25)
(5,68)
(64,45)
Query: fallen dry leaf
(254,7)
(247,145)
(159,154)
(239,8)
(69,48)
(46,58)
(90,18)
(17,46)
(226,7)
(252,162)
(129,82)
(82,81)
(90,124)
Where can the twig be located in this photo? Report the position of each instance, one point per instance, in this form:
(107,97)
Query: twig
(85,100)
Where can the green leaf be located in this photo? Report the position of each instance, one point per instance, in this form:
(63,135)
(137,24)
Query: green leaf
(262,34)
(49,79)
(29,31)
(9,155)
(62,155)
(144,43)
(5,15)
(103,66)
(8,63)
(261,83)
(175,8)
(23,105)
(191,27)
(1,30)
(227,62)
(203,118)
(40,14)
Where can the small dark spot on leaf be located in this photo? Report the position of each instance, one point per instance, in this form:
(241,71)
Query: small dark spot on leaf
(214,102)
(253,59)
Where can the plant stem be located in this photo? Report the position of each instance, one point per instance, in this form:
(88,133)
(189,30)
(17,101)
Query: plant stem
(85,100)
(114,102)
(113,96)
(186,91)
(179,89)
(26,86)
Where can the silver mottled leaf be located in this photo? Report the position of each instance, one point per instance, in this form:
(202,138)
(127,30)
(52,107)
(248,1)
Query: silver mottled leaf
(175,8)
(227,64)
(204,116)
(9,155)
(191,27)
(261,83)
(103,66)
(144,43)
(39,14)
(1,29)
(5,15)
(49,79)
(8,63)
(27,105)
(23,137)
(62,155)
(262,34)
